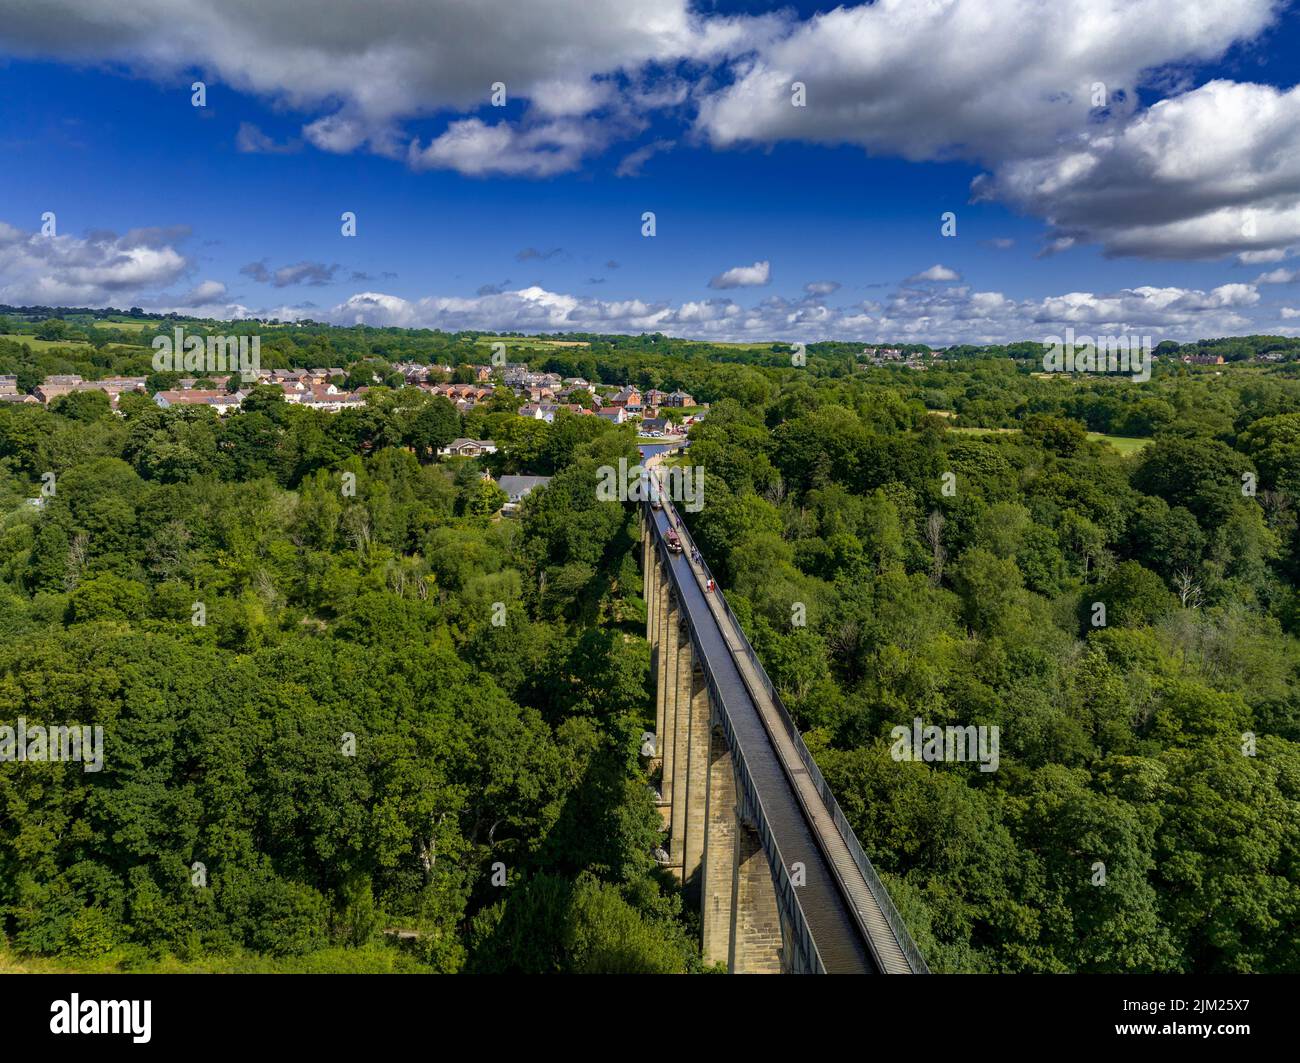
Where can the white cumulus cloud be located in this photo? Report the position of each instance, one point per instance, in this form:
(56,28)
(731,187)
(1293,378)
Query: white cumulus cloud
(744,276)
(96,269)
(936,272)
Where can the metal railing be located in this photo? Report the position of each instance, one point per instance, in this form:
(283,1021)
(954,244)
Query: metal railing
(804,956)
(878,891)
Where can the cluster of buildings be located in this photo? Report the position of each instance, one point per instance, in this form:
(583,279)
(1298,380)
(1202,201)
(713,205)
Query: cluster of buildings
(53,387)
(1218,359)
(618,405)
(313,388)
(518,377)
(307,387)
(882,356)
(463,396)
(544,395)
(328,397)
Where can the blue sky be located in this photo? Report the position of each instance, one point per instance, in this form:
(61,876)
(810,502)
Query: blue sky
(1175,210)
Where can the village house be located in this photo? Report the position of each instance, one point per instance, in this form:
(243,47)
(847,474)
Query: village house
(517,488)
(412,372)
(48,392)
(52,387)
(539,411)
(656,426)
(523,381)
(130,383)
(629,398)
(470,393)
(468,448)
(115,387)
(221,401)
(9,390)
(330,399)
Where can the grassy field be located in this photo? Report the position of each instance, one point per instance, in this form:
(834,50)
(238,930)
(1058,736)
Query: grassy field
(1126,445)
(983,431)
(532,341)
(49,345)
(527,342)
(131,325)
(43,345)
(765,345)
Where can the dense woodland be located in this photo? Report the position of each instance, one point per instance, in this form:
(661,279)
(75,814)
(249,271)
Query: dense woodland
(328,613)
(325,614)
(1124,745)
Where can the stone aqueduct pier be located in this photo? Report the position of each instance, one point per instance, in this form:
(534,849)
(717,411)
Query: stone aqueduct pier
(755,835)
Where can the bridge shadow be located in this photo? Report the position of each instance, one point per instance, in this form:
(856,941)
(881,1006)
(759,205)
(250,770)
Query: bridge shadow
(605,832)
(585,601)
(607,825)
